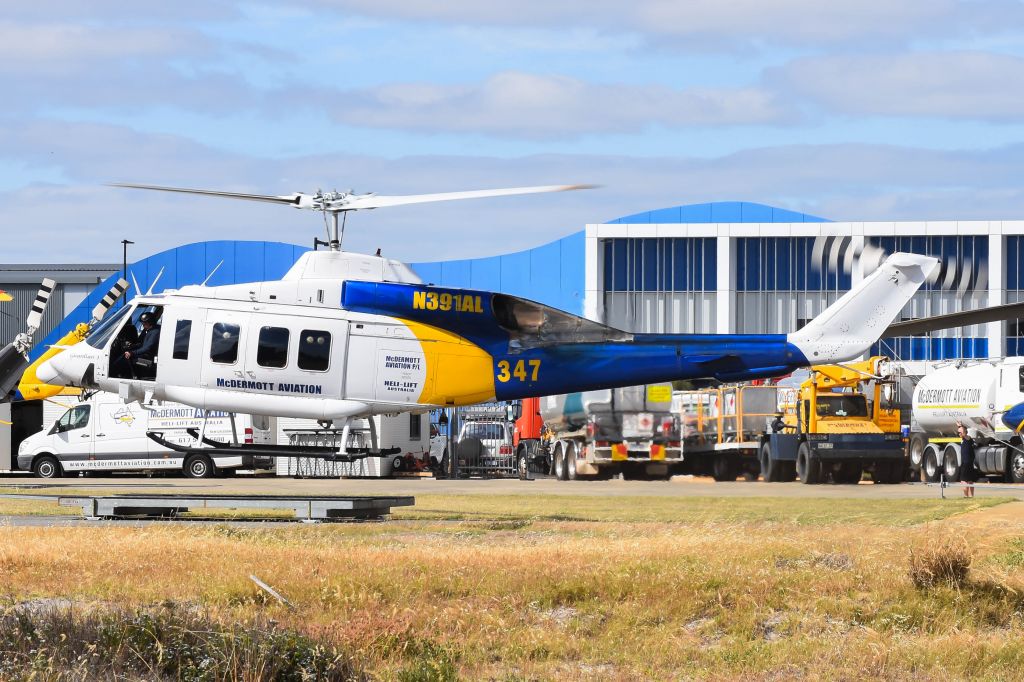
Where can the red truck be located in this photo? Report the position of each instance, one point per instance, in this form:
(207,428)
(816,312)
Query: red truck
(530,440)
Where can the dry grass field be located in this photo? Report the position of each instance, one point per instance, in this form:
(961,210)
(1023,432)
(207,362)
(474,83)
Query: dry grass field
(529,587)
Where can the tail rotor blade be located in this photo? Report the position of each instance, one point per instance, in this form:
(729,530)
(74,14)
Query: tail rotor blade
(109,299)
(35,317)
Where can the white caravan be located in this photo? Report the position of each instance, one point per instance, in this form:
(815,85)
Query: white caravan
(105,434)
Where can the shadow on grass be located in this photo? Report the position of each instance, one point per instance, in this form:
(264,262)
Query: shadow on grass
(46,640)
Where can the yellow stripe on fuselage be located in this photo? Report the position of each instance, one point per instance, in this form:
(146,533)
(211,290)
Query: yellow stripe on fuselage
(30,386)
(458,372)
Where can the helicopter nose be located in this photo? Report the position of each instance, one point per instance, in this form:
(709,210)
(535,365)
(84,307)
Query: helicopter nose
(47,372)
(1013,418)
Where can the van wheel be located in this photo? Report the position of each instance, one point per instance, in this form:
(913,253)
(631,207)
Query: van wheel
(198,466)
(48,467)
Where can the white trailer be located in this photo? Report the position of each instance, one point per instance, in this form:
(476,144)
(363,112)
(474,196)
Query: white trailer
(976,394)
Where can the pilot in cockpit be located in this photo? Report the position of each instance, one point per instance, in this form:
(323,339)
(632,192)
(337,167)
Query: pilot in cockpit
(138,359)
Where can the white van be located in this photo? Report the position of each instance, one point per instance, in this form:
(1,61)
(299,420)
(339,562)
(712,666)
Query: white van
(104,434)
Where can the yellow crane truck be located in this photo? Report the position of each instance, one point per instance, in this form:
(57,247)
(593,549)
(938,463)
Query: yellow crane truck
(830,431)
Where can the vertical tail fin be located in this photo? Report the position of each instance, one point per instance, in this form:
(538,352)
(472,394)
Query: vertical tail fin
(848,327)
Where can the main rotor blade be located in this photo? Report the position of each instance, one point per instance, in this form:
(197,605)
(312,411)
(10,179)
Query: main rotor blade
(35,316)
(352,203)
(120,286)
(291,200)
(923,325)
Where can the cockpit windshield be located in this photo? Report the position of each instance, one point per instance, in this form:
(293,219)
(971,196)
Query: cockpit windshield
(104,330)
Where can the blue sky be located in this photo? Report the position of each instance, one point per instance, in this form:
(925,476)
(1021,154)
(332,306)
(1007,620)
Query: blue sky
(851,109)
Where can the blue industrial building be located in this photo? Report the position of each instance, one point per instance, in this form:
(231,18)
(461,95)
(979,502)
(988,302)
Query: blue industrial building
(715,267)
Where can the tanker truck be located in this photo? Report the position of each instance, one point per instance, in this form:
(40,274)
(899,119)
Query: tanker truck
(631,431)
(981,395)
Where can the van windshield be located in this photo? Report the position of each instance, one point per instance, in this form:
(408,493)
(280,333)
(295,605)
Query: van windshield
(104,330)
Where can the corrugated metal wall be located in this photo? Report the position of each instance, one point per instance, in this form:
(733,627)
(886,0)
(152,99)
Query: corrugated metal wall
(12,319)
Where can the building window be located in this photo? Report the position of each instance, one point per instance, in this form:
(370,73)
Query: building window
(182,334)
(315,350)
(224,343)
(660,285)
(415,426)
(272,350)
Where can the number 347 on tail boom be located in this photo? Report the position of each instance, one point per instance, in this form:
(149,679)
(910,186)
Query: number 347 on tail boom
(345,335)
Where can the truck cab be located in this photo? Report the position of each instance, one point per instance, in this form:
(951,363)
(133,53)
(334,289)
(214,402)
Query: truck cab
(833,432)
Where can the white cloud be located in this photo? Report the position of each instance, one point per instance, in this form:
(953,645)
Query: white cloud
(963,85)
(62,47)
(543,106)
(721,24)
(84,221)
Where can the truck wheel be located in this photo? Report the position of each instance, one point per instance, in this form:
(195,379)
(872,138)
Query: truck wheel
(915,450)
(768,467)
(931,468)
(570,462)
(47,467)
(808,468)
(1015,466)
(725,468)
(198,466)
(951,462)
(560,471)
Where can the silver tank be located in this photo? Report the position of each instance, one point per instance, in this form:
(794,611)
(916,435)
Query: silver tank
(975,394)
(606,408)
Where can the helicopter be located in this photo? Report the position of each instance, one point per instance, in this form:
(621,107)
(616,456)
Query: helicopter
(344,335)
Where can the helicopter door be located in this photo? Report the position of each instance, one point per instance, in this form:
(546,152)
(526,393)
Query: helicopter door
(181,346)
(223,348)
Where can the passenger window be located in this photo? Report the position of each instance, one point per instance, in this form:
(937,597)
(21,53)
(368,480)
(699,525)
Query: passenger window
(224,344)
(182,333)
(273,347)
(315,350)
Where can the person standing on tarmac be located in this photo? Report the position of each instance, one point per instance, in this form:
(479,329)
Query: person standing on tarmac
(967,470)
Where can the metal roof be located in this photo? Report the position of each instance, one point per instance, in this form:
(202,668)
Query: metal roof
(63,273)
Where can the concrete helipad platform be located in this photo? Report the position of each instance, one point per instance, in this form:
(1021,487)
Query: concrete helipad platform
(306,508)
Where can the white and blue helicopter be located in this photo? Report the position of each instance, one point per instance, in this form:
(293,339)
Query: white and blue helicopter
(345,335)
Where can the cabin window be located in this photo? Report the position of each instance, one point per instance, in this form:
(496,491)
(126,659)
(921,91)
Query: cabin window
(75,418)
(224,344)
(315,350)
(273,347)
(182,333)
(415,424)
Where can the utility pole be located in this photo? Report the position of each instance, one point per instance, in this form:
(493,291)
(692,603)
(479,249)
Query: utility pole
(124,268)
